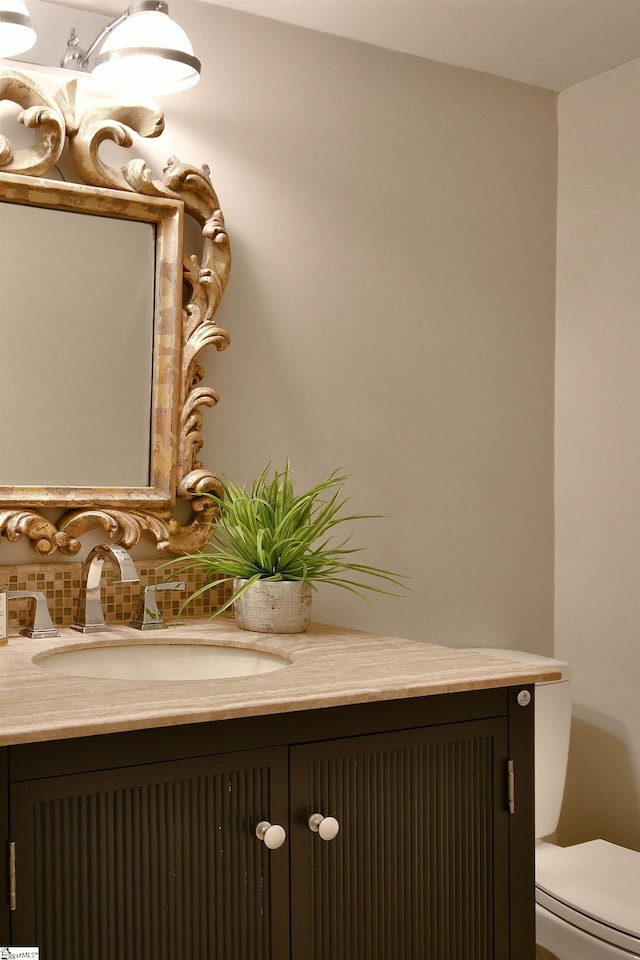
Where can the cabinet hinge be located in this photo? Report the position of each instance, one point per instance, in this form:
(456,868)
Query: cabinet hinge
(12,875)
(511,786)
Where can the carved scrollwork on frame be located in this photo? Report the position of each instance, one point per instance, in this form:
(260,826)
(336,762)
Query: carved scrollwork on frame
(45,538)
(40,114)
(59,119)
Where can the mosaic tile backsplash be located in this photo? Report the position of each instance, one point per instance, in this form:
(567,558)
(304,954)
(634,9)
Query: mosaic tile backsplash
(60,583)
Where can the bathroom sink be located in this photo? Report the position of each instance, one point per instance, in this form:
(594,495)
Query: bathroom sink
(160,660)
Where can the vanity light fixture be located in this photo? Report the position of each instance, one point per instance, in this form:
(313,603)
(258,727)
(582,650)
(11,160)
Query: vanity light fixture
(142,50)
(16,30)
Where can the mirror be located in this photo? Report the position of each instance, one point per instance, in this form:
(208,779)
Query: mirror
(100,386)
(77,355)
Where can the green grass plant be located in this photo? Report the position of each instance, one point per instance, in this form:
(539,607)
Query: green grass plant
(269,532)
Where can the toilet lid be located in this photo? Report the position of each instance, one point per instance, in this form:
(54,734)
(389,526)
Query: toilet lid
(595,886)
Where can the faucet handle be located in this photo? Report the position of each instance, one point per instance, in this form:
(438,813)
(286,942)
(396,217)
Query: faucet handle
(41,624)
(148,616)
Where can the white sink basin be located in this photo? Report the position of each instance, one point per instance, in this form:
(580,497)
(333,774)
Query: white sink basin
(159,660)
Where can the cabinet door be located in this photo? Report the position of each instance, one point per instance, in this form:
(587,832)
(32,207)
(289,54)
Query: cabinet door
(419,869)
(158,862)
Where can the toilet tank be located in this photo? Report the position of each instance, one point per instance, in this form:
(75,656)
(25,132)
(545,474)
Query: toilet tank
(552,728)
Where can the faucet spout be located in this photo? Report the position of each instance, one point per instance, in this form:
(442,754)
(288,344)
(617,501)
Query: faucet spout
(89,616)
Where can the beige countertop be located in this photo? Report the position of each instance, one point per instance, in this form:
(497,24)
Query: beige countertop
(328,666)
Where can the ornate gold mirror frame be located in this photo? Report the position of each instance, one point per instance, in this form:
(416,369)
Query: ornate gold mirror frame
(176,472)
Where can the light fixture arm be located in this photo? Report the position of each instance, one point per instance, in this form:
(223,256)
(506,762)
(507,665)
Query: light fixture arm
(83,61)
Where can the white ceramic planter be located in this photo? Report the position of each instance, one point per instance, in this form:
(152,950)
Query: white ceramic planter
(274,606)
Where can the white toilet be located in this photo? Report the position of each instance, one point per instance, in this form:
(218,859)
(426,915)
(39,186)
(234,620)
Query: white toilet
(587,895)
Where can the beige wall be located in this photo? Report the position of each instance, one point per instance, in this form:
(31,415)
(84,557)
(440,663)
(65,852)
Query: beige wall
(598,451)
(391,307)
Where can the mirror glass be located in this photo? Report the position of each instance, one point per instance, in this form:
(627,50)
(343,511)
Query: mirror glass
(75,369)
(90,288)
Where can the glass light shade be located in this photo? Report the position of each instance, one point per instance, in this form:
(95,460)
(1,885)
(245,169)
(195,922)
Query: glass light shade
(16,32)
(147,52)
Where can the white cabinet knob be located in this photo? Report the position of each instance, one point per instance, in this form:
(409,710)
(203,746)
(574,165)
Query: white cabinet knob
(271,834)
(326,827)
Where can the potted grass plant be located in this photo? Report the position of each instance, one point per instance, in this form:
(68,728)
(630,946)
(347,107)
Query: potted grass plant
(275,545)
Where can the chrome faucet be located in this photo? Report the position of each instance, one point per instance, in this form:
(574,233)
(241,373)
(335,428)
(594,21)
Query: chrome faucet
(148,617)
(89,616)
(41,624)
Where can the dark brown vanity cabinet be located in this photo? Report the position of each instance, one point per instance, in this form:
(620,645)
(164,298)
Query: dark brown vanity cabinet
(143,845)
(158,861)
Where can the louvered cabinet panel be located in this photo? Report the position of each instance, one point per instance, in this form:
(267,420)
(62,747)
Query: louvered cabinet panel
(159,862)
(419,867)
